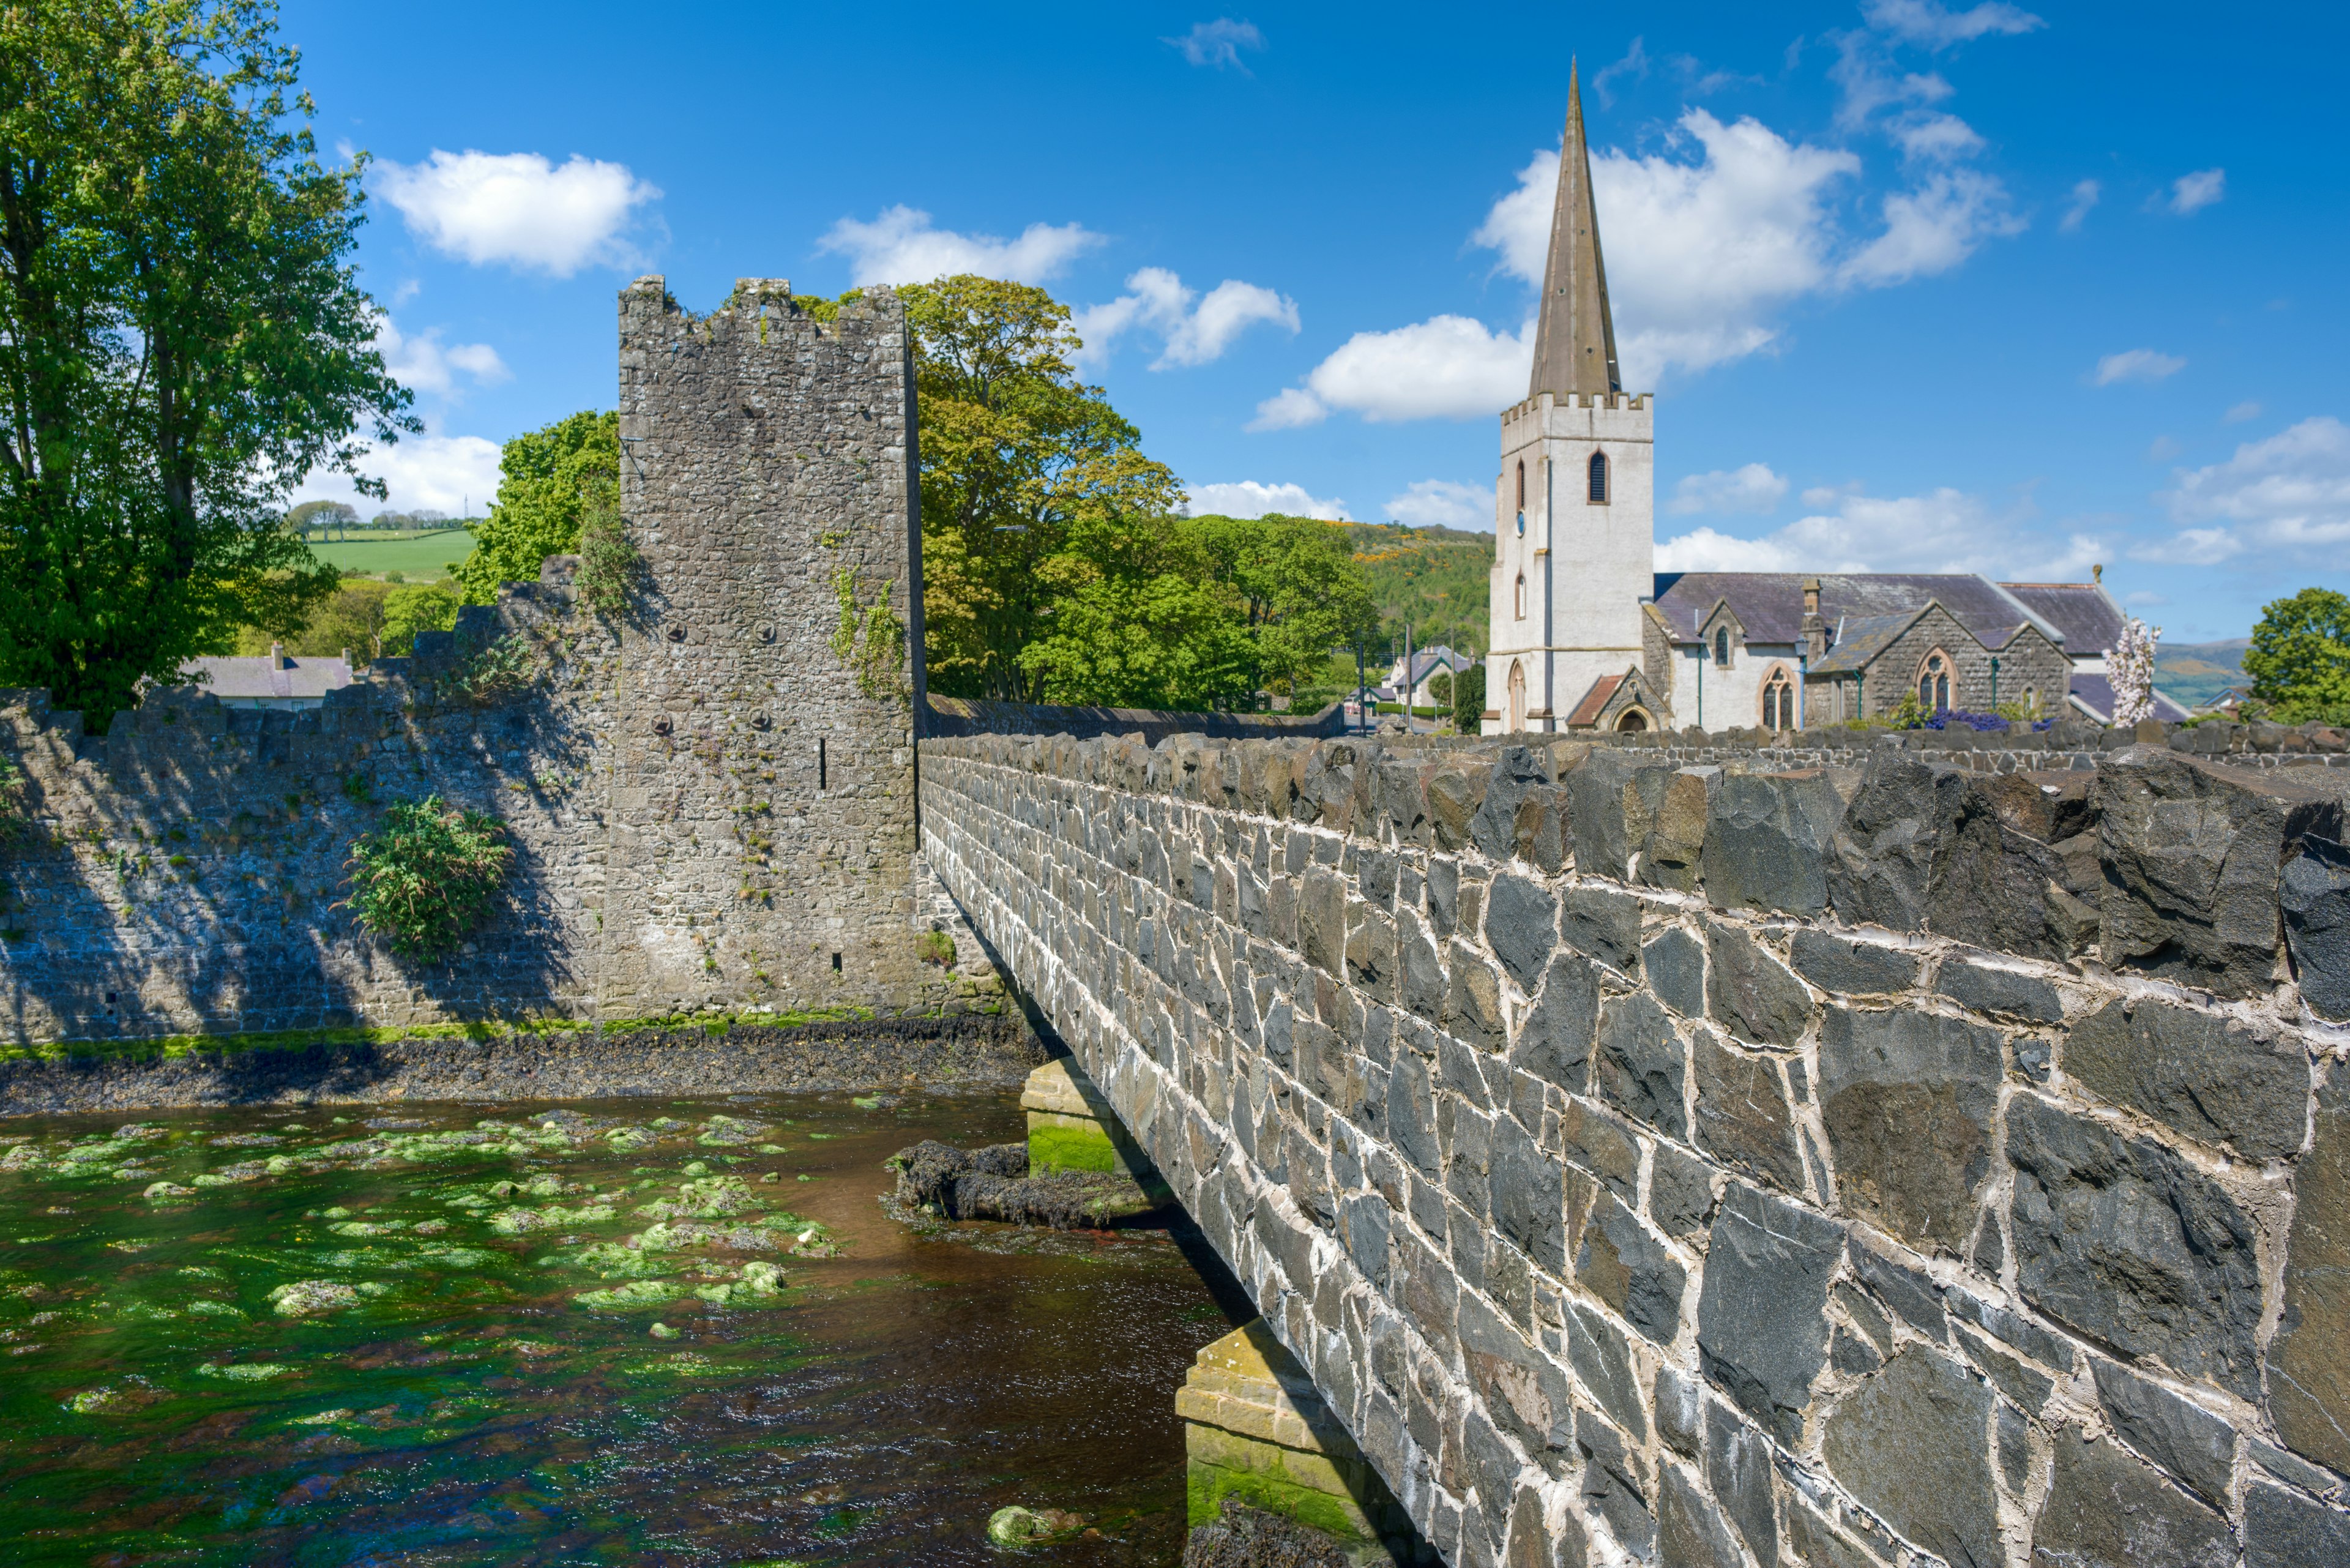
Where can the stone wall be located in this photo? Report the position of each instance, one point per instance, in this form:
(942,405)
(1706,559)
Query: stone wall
(1719,1166)
(710,797)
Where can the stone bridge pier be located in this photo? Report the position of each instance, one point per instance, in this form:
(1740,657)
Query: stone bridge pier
(1703,1166)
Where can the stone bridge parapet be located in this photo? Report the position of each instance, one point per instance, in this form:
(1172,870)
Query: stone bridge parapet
(1674,1163)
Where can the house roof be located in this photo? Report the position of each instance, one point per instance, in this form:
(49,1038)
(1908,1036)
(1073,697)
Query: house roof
(1770,604)
(265,676)
(1862,639)
(1426,662)
(1586,712)
(2086,613)
(2093,695)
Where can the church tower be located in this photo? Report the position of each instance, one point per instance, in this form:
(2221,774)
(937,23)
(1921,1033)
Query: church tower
(1574,548)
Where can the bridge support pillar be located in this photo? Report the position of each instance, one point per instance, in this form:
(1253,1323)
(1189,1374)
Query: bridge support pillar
(1255,1430)
(1072,1127)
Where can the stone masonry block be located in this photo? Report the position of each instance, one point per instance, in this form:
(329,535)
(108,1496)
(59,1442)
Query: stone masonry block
(2315,894)
(1752,991)
(1643,1063)
(1908,1100)
(1672,853)
(1913,1443)
(1521,927)
(1766,841)
(2214,1078)
(2192,853)
(1762,1325)
(2106,1510)
(1555,1043)
(2309,1375)
(1742,1116)
(2122,1241)
(1618,1261)
(2195,1445)
(1674,964)
(1844,967)
(1605,924)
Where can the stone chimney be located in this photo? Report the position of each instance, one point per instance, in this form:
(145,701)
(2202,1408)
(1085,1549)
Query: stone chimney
(1815,630)
(277,656)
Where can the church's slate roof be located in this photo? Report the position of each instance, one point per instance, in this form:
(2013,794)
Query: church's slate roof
(1770,604)
(2086,613)
(1863,640)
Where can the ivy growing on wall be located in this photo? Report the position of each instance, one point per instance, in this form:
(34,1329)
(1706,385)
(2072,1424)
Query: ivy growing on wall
(428,875)
(869,640)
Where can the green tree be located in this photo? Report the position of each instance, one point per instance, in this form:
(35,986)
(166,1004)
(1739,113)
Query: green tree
(1137,620)
(424,606)
(1016,452)
(1295,585)
(1469,699)
(324,515)
(546,480)
(182,338)
(2299,658)
(351,616)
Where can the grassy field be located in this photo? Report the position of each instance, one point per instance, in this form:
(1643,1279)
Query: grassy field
(418,559)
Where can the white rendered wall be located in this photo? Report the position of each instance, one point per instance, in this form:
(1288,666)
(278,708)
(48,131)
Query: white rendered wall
(1732,698)
(1587,566)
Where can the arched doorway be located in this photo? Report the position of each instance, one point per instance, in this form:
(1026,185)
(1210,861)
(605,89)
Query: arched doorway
(1517,696)
(1631,722)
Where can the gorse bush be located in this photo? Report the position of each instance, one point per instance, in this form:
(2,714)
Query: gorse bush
(428,875)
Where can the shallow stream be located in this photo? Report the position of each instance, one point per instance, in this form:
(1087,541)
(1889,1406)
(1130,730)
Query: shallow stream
(640,1331)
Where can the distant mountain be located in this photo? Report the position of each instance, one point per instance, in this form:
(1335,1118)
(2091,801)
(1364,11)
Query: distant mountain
(2197,672)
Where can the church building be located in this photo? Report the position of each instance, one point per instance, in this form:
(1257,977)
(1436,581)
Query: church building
(1586,634)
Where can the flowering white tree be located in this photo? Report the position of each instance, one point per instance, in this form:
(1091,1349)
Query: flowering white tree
(2129,668)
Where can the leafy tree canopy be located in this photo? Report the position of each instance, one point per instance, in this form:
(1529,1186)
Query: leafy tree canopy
(546,480)
(1017,456)
(182,338)
(2300,657)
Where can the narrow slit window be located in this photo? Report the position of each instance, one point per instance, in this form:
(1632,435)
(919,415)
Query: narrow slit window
(1522,596)
(1721,647)
(836,963)
(820,771)
(1599,479)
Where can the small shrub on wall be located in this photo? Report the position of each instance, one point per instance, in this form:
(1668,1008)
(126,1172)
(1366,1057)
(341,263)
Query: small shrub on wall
(426,876)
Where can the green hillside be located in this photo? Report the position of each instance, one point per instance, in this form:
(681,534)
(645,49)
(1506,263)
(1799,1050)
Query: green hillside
(2195,672)
(1435,579)
(417,558)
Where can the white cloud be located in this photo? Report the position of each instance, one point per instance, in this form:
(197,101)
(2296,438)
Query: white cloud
(1934,135)
(1938,28)
(422,364)
(2288,494)
(1447,368)
(1946,530)
(1932,229)
(1635,64)
(1444,504)
(1699,253)
(1248,498)
(900,247)
(1751,488)
(445,472)
(1193,330)
(2192,548)
(1868,82)
(518,208)
(2192,192)
(1219,43)
(2242,413)
(2137,365)
(2084,196)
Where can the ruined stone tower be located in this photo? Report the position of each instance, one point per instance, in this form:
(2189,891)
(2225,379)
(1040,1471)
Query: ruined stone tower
(1574,514)
(761,825)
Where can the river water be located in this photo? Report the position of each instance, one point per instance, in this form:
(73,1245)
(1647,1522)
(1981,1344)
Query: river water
(624,1330)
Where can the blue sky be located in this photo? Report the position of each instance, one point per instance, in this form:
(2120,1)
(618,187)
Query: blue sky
(1918,287)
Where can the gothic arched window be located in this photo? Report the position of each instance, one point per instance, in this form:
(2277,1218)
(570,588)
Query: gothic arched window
(1721,647)
(1522,487)
(1934,684)
(1599,479)
(1778,702)
(1522,596)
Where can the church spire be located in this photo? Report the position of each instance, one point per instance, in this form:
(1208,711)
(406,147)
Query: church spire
(1574,345)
